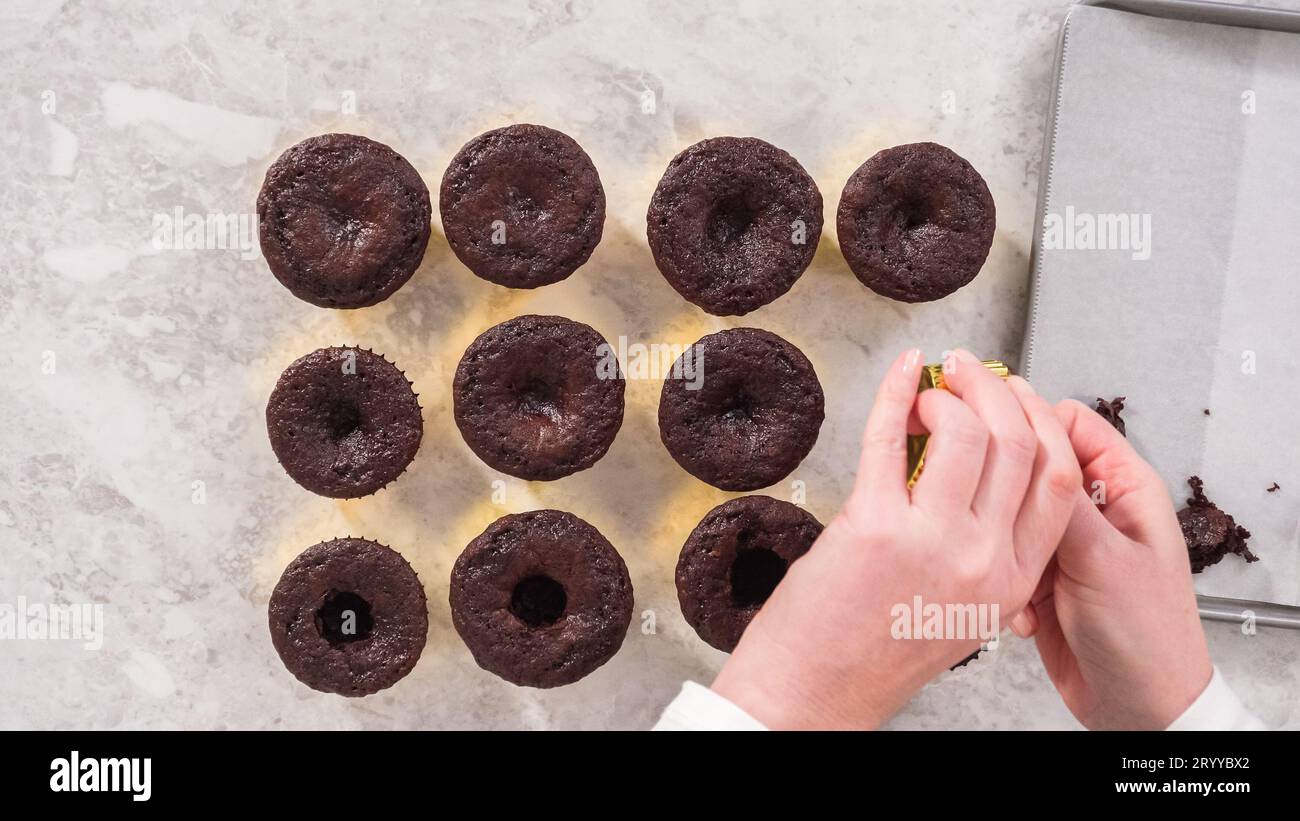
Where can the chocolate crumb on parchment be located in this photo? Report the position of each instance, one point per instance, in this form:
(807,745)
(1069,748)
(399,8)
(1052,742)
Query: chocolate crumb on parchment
(1274,488)
(1110,412)
(1206,411)
(1210,533)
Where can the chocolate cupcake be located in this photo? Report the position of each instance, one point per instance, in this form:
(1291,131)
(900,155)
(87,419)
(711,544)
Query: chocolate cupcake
(522,206)
(343,220)
(539,397)
(343,422)
(348,616)
(733,223)
(916,222)
(734,559)
(751,418)
(541,599)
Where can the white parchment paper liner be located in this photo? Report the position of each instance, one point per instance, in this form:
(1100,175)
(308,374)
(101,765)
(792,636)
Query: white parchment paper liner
(1155,117)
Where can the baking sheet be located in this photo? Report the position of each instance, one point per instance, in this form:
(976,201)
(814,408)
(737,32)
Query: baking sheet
(1194,126)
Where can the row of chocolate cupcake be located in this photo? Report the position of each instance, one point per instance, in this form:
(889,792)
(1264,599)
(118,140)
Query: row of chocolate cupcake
(533,399)
(541,599)
(732,225)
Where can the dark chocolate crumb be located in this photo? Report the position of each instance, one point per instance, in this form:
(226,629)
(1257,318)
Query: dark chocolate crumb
(1110,412)
(1274,488)
(1210,533)
(1206,411)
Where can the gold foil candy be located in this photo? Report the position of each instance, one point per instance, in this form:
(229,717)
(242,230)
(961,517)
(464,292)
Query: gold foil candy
(932,377)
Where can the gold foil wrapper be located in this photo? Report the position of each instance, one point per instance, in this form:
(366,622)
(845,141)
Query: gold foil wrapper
(932,377)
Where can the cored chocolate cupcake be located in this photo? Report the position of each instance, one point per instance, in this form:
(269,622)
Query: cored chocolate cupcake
(753,415)
(522,206)
(916,222)
(734,559)
(538,397)
(343,220)
(541,599)
(349,616)
(344,422)
(733,223)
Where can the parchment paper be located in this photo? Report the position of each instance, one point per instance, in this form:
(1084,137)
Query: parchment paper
(1198,126)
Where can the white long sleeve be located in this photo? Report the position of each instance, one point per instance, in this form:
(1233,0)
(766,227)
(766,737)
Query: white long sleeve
(1217,708)
(699,708)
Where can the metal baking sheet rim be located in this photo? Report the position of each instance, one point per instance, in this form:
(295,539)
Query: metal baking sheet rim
(1212,608)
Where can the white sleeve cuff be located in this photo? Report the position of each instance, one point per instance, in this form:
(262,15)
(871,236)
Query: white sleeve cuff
(1217,708)
(699,708)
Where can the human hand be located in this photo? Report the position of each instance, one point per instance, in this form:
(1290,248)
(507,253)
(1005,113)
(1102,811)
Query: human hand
(1115,617)
(978,528)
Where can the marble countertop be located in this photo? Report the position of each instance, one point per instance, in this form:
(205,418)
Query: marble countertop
(134,467)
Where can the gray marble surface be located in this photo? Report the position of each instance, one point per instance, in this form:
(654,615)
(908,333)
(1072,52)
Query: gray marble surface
(134,466)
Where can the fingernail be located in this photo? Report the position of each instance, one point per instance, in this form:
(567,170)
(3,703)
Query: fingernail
(1020,625)
(950,362)
(911,360)
(962,353)
(1024,385)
